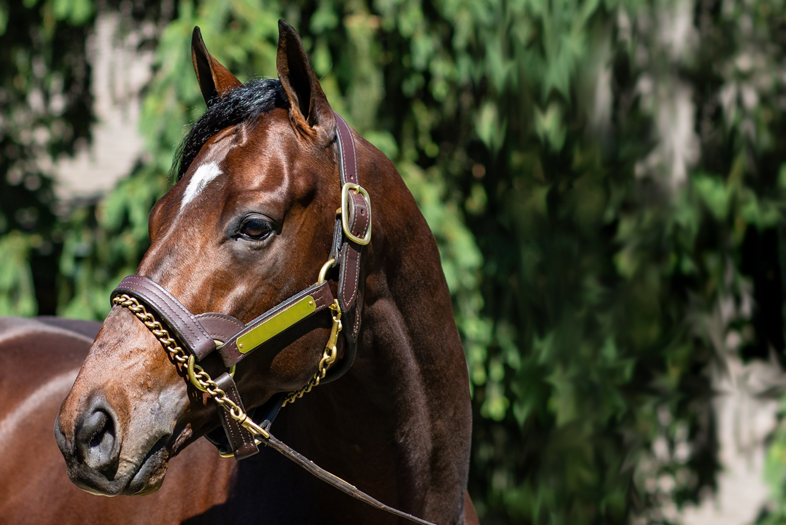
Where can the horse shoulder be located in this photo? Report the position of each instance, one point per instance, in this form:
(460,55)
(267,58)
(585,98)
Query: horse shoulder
(37,361)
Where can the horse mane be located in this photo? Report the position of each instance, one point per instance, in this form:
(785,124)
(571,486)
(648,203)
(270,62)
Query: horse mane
(244,103)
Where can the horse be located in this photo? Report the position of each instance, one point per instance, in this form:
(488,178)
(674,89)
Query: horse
(251,220)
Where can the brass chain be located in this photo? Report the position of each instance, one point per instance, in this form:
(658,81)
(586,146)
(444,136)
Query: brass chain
(202,379)
(328,358)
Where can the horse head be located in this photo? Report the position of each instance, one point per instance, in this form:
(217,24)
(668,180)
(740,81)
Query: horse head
(248,223)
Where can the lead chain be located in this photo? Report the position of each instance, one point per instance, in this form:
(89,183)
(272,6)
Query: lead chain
(328,357)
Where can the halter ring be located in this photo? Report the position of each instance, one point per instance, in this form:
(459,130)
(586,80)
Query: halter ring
(192,374)
(325,267)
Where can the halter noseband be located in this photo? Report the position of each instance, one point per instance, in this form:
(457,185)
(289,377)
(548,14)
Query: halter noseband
(203,334)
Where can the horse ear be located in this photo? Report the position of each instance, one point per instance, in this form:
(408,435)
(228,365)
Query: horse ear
(214,79)
(309,107)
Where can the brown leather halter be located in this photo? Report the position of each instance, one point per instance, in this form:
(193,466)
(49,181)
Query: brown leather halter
(201,335)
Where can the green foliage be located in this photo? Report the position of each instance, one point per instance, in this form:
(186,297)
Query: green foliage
(594,276)
(47,111)
(16,281)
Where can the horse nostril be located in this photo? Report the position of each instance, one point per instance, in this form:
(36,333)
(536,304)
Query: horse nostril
(96,439)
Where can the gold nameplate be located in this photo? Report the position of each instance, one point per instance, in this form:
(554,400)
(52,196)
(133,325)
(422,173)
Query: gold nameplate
(276,324)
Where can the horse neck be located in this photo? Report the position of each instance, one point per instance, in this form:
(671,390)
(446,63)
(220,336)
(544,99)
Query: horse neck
(409,370)
(407,326)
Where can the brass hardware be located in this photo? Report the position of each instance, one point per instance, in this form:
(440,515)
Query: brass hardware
(276,324)
(345,212)
(328,357)
(194,370)
(254,428)
(323,271)
(192,374)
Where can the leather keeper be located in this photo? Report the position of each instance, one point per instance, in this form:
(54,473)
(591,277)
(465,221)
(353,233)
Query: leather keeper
(221,327)
(240,440)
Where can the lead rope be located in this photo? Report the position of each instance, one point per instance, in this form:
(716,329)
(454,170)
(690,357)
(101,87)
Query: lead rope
(263,436)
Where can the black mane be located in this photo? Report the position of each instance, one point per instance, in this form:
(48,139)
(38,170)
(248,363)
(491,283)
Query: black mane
(244,103)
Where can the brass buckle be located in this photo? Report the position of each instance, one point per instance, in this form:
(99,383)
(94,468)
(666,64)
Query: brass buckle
(345,213)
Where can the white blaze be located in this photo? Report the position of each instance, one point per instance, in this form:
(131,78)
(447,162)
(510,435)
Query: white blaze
(199,181)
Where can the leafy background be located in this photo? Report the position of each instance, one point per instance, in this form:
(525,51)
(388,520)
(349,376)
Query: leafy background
(605,179)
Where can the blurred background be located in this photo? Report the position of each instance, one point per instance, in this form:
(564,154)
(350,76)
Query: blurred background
(606,180)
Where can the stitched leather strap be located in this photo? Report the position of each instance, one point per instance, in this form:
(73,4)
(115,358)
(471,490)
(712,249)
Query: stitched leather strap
(198,333)
(359,221)
(348,160)
(334,481)
(190,332)
(350,274)
(241,441)
(266,413)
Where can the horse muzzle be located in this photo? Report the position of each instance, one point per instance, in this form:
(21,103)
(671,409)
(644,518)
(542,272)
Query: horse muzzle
(93,455)
(116,439)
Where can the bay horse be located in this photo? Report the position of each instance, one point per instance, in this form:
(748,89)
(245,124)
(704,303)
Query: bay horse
(248,224)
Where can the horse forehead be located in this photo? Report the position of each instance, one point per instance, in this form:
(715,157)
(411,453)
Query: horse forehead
(208,165)
(241,155)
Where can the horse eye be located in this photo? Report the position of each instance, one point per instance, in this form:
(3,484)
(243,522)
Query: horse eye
(255,228)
